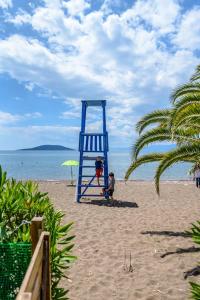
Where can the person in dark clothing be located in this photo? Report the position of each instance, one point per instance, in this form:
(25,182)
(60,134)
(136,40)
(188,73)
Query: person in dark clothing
(111,186)
(99,168)
(197,175)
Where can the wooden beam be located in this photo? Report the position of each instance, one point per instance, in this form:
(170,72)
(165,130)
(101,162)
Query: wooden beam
(25,296)
(37,226)
(34,271)
(46,271)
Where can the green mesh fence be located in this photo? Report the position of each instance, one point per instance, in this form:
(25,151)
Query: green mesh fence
(14,261)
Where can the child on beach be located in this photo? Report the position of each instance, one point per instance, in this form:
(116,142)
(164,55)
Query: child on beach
(99,168)
(111,186)
(197,175)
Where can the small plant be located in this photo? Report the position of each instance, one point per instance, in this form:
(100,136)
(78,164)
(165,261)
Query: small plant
(195,290)
(195,233)
(129,267)
(19,203)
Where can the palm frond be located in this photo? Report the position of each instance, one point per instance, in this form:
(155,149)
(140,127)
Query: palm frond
(190,116)
(184,106)
(159,135)
(154,135)
(196,75)
(187,153)
(157,116)
(152,157)
(187,100)
(185,90)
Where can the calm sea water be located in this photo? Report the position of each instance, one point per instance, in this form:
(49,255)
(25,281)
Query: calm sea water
(46,165)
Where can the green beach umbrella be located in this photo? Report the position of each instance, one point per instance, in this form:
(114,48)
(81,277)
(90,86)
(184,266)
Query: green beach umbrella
(71,163)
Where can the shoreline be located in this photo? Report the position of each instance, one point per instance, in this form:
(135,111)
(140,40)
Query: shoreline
(117,180)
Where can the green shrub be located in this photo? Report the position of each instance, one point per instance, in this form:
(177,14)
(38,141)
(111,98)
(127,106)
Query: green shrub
(19,203)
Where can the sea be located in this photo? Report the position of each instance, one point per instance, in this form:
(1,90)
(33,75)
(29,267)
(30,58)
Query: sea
(47,165)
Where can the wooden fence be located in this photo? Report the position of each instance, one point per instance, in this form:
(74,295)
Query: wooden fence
(37,281)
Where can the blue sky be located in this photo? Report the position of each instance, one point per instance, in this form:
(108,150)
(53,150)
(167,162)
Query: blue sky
(53,53)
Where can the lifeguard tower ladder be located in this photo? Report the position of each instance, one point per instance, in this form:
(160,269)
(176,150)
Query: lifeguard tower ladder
(96,143)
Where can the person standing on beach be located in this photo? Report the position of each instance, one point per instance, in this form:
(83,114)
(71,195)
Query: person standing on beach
(111,185)
(197,175)
(99,168)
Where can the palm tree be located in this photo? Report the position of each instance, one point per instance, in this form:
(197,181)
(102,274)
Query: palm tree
(179,124)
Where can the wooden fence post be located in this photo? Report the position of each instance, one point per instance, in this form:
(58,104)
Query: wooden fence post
(37,227)
(25,296)
(46,268)
(37,280)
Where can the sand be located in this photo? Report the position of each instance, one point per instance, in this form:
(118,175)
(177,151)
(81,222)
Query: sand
(107,236)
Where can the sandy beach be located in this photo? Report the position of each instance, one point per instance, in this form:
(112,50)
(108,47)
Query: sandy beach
(108,237)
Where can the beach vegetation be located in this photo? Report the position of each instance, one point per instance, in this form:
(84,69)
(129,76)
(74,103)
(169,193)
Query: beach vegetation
(179,125)
(195,290)
(195,234)
(19,203)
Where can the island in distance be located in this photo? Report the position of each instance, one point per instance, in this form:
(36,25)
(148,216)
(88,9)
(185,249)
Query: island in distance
(49,147)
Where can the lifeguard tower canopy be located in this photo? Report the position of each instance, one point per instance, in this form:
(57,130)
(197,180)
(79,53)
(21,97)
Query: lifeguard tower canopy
(94,102)
(97,144)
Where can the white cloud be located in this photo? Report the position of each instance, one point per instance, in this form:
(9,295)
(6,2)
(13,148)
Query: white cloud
(45,130)
(29,61)
(181,63)
(29,86)
(70,115)
(47,20)
(50,129)
(159,14)
(188,35)
(76,7)
(122,118)
(54,4)
(5,3)
(21,18)
(109,6)
(33,115)
(95,126)
(7,118)
(28,136)
(102,54)
(117,53)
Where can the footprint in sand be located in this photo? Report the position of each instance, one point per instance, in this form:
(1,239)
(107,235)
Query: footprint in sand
(94,289)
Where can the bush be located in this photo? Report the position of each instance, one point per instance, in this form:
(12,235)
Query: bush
(19,203)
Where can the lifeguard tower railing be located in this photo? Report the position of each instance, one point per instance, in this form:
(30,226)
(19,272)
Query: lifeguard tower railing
(93,142)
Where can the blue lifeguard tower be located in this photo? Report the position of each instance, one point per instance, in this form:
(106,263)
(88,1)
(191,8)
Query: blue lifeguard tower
(97,144)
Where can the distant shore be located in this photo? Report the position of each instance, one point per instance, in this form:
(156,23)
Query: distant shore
(47,148)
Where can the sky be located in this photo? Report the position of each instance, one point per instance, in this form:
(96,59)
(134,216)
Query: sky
(53,53)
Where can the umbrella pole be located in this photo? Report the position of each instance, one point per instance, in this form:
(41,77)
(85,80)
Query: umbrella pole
(71,176)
